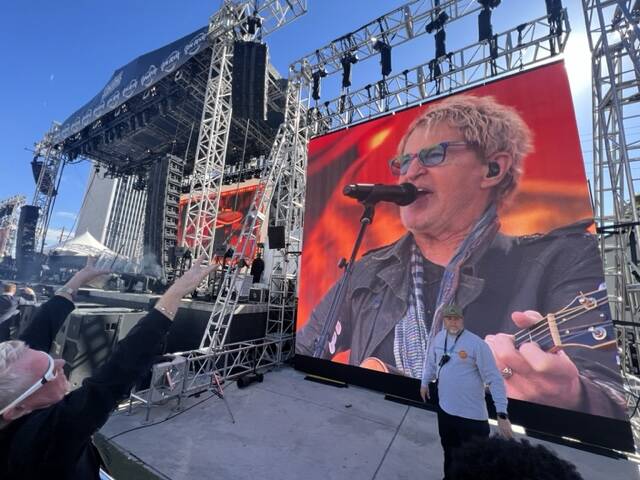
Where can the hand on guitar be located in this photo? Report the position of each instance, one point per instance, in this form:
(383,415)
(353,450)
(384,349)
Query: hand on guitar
(532,374)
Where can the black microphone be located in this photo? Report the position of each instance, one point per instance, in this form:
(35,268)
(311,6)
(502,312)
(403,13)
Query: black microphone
(402,194)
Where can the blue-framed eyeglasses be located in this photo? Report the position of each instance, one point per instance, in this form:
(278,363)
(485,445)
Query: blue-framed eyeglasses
(47,377)
(428,157)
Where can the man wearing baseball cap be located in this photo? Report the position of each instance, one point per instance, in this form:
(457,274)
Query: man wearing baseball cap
(461,364)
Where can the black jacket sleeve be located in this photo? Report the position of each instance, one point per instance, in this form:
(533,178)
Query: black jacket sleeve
(306,338)
(46,322)
(59,434)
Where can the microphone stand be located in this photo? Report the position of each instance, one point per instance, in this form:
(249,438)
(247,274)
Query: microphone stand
(321,347)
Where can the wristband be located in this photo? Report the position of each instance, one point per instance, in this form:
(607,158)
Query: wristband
(68,290)
(166,311)
(503,416)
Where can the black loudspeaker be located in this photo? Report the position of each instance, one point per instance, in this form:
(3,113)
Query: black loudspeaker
(87,338)
(276,237)
(26,242)
(249,85)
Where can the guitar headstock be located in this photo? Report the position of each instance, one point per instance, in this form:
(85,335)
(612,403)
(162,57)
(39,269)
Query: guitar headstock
(585,323)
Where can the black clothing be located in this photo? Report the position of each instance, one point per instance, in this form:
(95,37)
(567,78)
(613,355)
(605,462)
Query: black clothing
(257,267)
(454,431)
(8,306)
(55,442)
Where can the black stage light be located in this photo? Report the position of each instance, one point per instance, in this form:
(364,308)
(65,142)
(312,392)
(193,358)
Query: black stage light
(490,3)
(249,378)
(485,29)
(385,55)
(347,60)
(437,23)
(254,22)
(317,75)
(441,47)
(553,6)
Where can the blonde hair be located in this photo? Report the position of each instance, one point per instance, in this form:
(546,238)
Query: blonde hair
(12,383)
(489,126)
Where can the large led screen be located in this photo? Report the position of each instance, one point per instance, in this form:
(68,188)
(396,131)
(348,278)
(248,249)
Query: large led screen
(502,226)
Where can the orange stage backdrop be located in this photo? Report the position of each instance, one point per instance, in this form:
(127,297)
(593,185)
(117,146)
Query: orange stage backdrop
(234,205)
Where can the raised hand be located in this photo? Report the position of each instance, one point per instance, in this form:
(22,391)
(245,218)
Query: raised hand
(170,301)
(194,276)
(87,274)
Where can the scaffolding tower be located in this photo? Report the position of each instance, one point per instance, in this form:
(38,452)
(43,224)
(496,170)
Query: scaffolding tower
(9,216)
(614,39)
(48,165)
(225,26)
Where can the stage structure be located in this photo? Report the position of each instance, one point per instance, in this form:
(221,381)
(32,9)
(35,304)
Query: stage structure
(150,112)
(214,152)
(614,39)
(248,21)
(9,215)
(284,182)
(47,165)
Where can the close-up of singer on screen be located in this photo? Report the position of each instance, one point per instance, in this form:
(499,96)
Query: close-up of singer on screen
(457,165)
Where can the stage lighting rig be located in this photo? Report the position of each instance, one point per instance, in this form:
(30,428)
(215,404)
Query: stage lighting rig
(347,60)
(317,76)
(385,54)
(438,23)
(490,3)
(441,46)
(254,23)
(485,29)
(141,181)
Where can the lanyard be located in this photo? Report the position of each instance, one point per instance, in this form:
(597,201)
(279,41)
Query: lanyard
(445,357)
(446,338)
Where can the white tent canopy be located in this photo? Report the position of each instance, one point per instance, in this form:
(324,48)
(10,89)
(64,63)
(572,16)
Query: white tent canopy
(82,245)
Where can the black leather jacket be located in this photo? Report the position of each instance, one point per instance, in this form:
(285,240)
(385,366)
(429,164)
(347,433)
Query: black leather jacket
(535,272)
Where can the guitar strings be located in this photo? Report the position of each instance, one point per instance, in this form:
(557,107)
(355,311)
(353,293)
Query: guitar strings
(569,315)
(543,322)
(535,336)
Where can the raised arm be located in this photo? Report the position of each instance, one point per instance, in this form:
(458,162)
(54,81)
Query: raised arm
(51,315)
(85,410)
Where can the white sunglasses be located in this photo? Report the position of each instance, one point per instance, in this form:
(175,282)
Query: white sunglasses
(47,377)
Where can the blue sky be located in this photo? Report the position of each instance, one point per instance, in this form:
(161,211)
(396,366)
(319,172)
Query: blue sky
(57,55)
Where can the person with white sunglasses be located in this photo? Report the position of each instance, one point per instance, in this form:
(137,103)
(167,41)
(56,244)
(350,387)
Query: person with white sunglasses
(45,432)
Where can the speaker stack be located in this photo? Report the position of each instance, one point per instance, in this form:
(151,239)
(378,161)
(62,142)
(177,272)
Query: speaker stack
(26,261)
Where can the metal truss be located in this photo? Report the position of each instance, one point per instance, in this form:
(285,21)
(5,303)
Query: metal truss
(9,223)
(614,39)
(52,164)
(288,212)
(272,177)
(396,27)
(528,44)
(197,371)
(206,182)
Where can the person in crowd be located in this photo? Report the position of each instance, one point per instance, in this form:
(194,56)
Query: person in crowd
(257,267)
(45,432)
(462,364)
(466,155)
(9,303)
(501,459)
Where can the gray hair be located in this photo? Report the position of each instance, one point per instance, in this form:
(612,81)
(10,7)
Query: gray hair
(12,383)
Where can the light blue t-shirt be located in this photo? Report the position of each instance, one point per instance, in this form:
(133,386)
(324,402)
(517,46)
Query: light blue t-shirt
(462,380)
